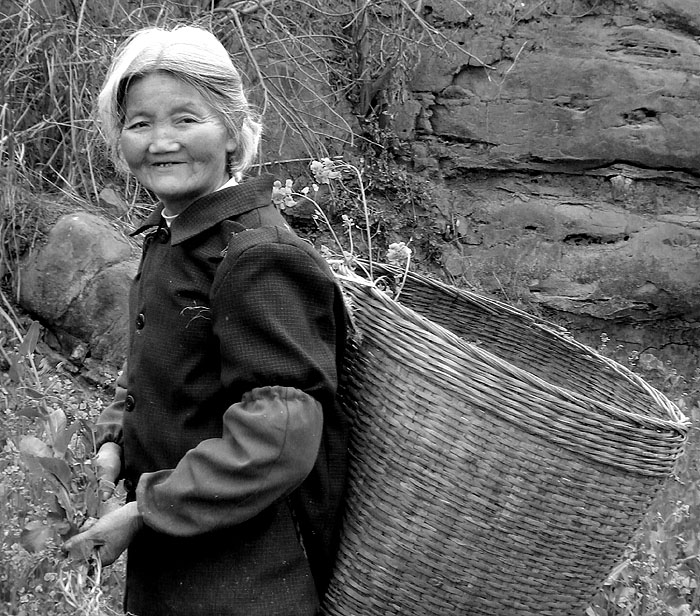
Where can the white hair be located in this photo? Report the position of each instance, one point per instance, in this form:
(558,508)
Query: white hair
(195,56)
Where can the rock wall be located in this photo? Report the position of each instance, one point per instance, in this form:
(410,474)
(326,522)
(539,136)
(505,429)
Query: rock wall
(563,142)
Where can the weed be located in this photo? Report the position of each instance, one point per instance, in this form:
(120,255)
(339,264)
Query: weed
(48,486)
(661,570)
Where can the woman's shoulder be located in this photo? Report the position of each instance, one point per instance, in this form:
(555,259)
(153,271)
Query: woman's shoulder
(275,247)
(269,240)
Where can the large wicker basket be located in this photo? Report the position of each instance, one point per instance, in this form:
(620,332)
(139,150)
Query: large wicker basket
(498,467)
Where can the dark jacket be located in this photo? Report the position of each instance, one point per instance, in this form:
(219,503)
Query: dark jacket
(233,442)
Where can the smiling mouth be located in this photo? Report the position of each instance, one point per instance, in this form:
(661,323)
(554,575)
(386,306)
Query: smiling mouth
(166,164)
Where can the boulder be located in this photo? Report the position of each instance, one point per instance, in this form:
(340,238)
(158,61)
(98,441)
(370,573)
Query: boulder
(77,283)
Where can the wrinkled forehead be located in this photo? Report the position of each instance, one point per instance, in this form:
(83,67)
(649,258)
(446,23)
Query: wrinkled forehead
(210,96)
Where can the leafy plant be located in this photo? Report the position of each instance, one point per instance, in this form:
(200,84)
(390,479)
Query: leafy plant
(48,488)
(661,571)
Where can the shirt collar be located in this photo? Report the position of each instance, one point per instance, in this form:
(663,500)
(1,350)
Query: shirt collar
(208,211)
(231,182)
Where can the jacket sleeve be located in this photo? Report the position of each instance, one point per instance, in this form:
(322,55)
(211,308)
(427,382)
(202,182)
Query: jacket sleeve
(272,310)
(108,427)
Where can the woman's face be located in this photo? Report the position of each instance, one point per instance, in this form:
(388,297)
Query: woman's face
(173,141)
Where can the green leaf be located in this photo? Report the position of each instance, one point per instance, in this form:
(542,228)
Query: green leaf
(32,412)
(31,339)
(64,500)
(88,435)
(56,510)
(16,370)
(56,423)
(35,536)
(92,502)
(57,468)
(62,439)
(34,447)
(33,393)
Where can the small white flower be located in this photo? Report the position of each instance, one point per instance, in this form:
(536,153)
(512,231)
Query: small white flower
(398,254)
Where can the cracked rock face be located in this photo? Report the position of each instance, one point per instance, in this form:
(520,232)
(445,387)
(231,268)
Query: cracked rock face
(565,144)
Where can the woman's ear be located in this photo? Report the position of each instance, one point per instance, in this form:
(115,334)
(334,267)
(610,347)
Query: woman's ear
(231,145)
(120,162)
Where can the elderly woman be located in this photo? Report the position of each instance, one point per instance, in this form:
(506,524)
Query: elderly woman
(225,425)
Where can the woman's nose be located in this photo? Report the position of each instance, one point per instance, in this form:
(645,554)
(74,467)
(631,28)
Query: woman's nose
(163,140)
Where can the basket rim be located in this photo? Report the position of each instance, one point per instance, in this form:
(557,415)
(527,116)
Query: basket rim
(677,421)
(626,442)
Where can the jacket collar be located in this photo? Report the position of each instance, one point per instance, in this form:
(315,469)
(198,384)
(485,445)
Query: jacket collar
(210,210)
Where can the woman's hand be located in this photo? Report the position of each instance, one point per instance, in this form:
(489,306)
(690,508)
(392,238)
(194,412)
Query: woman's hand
(110,535)
(108,462)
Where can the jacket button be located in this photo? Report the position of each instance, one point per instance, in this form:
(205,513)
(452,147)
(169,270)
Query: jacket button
(129,403)
(140,321)
(128,485)
(163,235)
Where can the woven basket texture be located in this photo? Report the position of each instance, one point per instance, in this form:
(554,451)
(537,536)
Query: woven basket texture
(498,467)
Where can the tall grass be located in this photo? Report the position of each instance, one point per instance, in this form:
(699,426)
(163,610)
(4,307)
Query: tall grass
(318,70)
(50,67)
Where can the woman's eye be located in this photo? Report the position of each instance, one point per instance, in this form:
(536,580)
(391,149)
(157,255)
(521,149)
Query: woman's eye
(136,125)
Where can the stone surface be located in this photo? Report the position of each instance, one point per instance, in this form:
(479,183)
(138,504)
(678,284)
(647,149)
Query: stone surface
(77,283)
(99,316)
(587,91)
(562,140)
(112,202)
